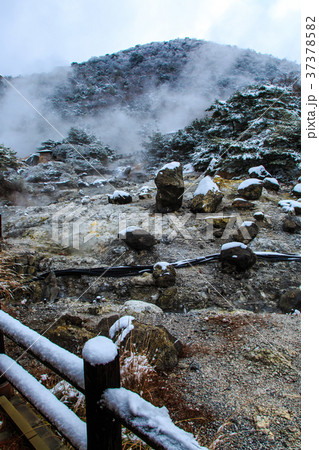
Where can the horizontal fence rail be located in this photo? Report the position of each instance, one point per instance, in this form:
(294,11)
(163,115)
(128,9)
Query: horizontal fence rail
(97,375)
(61,361)
(56,412)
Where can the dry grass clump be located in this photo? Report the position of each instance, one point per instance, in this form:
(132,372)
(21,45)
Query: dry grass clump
(11,282)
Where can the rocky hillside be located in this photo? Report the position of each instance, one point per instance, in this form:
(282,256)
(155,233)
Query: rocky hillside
(126,96)
(256,125)
(222,336)
(138,77)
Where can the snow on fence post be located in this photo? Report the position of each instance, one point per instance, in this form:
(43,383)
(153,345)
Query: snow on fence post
(101,371)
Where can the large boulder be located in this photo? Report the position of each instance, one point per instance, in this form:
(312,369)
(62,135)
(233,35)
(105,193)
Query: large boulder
(137,238)
(170,187)
(250,189)
(235,255)
(10,184)
(160,346)
(70,333)
(206,197)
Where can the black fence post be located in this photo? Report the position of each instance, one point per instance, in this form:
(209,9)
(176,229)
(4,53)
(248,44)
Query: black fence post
(101,373)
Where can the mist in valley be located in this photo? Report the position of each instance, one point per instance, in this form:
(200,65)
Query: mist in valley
(189,82)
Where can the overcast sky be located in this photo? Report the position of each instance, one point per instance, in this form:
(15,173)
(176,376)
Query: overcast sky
(37,35)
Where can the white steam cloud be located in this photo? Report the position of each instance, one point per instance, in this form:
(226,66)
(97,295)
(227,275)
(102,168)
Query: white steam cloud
(207,75)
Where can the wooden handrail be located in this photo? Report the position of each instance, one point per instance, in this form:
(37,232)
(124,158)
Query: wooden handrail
(103,422)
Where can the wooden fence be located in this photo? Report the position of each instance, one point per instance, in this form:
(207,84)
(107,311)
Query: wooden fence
(98,381)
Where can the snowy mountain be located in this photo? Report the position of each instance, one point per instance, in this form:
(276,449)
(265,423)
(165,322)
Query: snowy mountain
(123,97)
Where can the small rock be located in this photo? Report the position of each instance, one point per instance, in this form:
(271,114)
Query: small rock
(145,192)
(120,198)
(291,224)
(291,206)
(247,231)
(161,347)
(69,333)
(85,200)
(132,307)
(166,301)
(290,300)
(146,279)
(271,184)
(268,357)
(195,366)
(164,274)
(238,256)
(105,324)
(242,203)
(251,189)
(137,238)
(259,216)
(297,190)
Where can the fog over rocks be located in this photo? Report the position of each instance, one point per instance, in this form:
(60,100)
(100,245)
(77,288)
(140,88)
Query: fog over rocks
(123,97)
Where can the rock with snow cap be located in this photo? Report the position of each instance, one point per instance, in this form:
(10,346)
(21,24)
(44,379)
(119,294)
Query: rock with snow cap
(296,191)
(258,172)
(291,206)
(170,187)
(251,189)
(120,198)
(242,203)
(271,184)
(235,255)
(161,347)
(140,307)
(144,192)
(259,216)
(137,238)
(206,197)
(164,274)
(247,231)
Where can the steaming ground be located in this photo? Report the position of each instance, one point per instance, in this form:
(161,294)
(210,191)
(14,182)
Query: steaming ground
(240,368)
